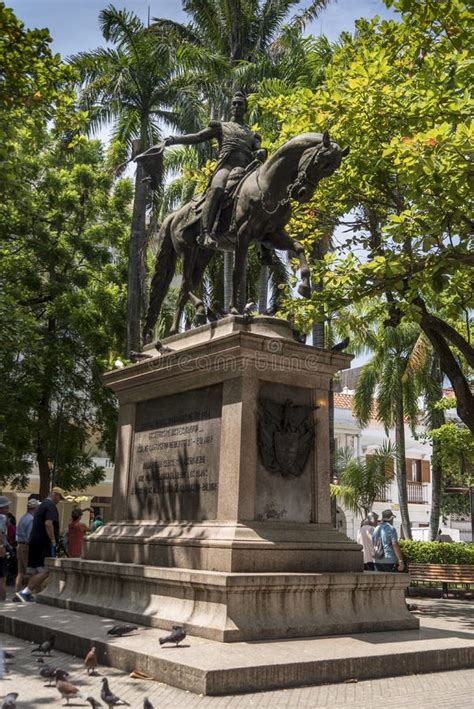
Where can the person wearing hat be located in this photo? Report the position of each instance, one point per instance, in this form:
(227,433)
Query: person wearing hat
(23,532)
(43,540)
(386,532)
(4,507)
(364,537)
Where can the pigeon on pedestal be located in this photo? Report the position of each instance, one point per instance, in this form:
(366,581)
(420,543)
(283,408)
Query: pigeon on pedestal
(176,636)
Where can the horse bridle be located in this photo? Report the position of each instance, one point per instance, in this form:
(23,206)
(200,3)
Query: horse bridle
(301,178)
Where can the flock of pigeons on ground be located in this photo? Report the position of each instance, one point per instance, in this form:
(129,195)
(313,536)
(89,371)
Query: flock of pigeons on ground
(67,690)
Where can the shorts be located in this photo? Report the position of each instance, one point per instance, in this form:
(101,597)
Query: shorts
(386,567)
(36,556)
(3,567)
(22,558)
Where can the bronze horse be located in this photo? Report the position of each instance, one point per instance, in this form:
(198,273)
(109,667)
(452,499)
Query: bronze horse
(259,212)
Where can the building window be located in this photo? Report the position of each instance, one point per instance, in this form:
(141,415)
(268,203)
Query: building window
(416,471)
(351,441)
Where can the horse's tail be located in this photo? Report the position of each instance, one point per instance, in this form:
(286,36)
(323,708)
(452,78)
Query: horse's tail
(164,271)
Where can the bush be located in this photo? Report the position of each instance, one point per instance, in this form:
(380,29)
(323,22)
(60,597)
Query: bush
(436,552)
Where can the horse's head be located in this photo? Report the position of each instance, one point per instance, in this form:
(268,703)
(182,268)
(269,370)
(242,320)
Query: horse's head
(315,163)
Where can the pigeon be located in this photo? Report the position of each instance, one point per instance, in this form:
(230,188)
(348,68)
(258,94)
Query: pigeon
(49,673)
(218,310)
(120,630)
(161,348)
(66,689)
(9,655)
(93,702)
(147,704)
(109,697)
(139,356)
(90,661)
(211,315)
(10,701)
(45,647)
(250,308)
(176,636)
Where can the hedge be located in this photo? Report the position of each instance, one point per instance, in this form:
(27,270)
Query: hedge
(436,552)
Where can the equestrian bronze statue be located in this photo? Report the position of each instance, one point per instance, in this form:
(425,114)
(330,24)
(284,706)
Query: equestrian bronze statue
(255,208)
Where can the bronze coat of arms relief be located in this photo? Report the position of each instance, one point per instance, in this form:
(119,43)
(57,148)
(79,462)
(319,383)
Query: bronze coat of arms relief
(285,436)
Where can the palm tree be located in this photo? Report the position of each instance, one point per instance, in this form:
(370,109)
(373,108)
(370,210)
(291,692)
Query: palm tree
(358,481)
(136,87)
(383,381)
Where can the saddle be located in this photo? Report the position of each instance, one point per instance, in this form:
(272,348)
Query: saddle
(224,225)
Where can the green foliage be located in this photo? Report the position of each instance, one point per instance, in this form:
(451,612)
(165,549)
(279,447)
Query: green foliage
(456,505)
(62,235)
(397,94)
(456,452)
(436,552)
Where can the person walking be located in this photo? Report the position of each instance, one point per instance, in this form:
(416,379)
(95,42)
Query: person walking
(75,533)
(43,541)
(4,508)
(364,537)
(23,532)
(387,534)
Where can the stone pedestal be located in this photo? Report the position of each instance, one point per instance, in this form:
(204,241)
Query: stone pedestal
(221,496)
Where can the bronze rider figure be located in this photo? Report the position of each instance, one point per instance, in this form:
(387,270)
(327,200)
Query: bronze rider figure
(238,147)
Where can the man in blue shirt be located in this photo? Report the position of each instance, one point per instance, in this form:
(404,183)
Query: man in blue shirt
(392,558)
(23,533)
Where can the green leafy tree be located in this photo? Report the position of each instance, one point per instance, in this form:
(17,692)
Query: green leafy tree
(397,93)
(359,481)
(135,86)
(63,233)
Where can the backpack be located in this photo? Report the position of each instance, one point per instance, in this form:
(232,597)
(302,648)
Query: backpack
(378,547)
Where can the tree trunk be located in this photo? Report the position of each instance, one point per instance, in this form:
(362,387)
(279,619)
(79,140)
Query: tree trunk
(263,289)
(42,446)
(449,365)
(242,298)
(318,335)
(43,412)
(228,270)
(401,468)
(437,419)
(136,263)
(332,449)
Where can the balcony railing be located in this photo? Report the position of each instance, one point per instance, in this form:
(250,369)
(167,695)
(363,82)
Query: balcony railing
(385,494)
(417,492)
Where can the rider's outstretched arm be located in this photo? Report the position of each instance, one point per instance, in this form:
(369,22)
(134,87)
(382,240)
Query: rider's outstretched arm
(192,138)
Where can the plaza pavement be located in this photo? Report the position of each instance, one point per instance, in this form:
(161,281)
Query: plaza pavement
(453,689)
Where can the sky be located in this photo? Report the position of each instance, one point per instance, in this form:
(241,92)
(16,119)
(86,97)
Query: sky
(74,27)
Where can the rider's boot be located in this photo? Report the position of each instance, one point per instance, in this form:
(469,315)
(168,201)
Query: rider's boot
(208,217)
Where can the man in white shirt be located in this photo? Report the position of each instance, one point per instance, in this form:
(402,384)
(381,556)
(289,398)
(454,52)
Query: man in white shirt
(364,537)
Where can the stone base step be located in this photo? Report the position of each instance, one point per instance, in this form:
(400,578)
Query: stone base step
(212,668)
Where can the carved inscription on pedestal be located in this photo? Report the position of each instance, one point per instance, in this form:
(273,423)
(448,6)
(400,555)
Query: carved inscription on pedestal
(175,458)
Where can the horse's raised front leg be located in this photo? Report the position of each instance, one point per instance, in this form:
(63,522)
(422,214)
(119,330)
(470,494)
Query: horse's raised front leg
(281,240)
(239,265)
